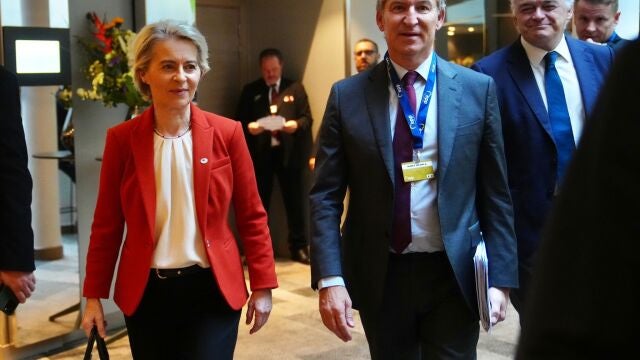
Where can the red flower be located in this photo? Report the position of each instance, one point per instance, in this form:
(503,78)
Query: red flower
(101,33)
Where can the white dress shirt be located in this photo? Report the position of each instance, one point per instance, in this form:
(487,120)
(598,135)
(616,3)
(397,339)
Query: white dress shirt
(568,76)
(425,220)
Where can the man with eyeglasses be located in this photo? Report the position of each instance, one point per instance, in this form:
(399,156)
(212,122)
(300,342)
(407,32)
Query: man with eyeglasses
(365,54)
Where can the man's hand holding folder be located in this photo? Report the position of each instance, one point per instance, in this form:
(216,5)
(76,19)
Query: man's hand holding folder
(492,301)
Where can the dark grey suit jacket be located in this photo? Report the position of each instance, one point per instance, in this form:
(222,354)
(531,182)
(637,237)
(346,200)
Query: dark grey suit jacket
(355,151)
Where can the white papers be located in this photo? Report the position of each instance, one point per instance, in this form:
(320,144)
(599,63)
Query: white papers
(481,266)
(272,122)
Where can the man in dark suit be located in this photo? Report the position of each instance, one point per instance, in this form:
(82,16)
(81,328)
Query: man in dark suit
(584,302)
(420,200)
(365,54)
(596,21)
(282,153)
(538,143)
(16,239)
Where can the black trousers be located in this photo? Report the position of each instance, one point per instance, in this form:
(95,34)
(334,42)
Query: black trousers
(183,318)
(423,315)
(519,296)
(291,182)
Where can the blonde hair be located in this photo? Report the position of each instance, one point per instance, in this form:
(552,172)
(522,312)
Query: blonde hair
(142,47)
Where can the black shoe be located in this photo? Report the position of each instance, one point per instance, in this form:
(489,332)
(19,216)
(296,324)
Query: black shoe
(301,255)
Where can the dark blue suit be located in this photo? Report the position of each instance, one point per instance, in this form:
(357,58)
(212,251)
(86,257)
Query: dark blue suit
(528,142)
(618,43)
(594,222)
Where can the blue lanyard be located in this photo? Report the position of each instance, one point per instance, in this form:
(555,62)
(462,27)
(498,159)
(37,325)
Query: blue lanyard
(416,125)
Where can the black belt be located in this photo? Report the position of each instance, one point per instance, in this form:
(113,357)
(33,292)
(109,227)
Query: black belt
(179,272)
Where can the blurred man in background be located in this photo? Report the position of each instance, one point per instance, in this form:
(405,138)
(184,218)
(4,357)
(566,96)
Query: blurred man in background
(365,54)
(596,21)
(282,153)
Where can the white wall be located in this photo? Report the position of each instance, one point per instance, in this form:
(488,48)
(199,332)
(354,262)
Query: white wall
(148,11)
(362,24)
(311,36)
(628,26)
(326,62)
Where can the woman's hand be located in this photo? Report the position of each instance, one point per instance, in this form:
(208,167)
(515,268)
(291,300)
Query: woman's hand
(260,306)
(94,315)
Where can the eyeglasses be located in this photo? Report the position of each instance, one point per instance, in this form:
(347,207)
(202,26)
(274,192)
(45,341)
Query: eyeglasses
(366,52)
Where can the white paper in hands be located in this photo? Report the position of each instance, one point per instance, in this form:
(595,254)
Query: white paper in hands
(272,122)
(481,266)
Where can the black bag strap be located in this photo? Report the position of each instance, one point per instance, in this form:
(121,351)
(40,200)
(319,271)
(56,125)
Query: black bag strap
(102,346)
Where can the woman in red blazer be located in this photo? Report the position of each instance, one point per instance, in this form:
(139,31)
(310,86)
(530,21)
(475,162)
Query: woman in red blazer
(171,176)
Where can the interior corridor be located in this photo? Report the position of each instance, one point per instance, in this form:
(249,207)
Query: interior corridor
(294,330)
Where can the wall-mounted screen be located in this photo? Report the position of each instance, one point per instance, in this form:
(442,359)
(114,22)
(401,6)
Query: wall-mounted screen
(37,55)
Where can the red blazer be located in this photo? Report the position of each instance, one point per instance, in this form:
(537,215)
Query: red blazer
(222,176)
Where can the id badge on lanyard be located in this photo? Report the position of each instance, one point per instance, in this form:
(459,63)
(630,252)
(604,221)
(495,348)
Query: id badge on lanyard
(417,169)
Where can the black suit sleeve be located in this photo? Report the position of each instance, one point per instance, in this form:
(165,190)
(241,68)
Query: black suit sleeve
(16,235)
(303,110)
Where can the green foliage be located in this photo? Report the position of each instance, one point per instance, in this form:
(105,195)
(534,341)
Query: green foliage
(107,65)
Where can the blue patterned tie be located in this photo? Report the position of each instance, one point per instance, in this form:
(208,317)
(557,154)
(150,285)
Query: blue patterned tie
(402,152)
(558,115)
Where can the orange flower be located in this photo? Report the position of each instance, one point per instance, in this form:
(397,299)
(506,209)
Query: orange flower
(117,21)
(107,66)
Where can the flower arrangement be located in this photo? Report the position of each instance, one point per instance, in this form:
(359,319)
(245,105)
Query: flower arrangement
(108,66)
(65,96)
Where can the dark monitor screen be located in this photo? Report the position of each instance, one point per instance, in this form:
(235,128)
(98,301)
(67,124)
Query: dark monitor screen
(37,55)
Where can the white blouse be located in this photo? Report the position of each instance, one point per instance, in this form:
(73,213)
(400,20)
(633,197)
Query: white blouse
(179,241)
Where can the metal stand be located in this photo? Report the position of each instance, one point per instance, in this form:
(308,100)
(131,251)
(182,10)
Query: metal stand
(69,310)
